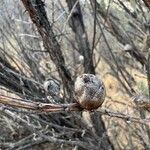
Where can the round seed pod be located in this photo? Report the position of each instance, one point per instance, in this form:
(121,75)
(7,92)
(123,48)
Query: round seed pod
(89,91)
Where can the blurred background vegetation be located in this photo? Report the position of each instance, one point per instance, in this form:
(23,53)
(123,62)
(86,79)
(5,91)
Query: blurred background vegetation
(60,40)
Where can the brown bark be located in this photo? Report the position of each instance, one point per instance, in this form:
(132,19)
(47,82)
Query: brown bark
(77,25)
(147,3)
(38,16)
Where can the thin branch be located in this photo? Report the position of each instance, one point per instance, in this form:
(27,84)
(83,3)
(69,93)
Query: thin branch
(94,28)
(47,108)
(37,106)
(148,72)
